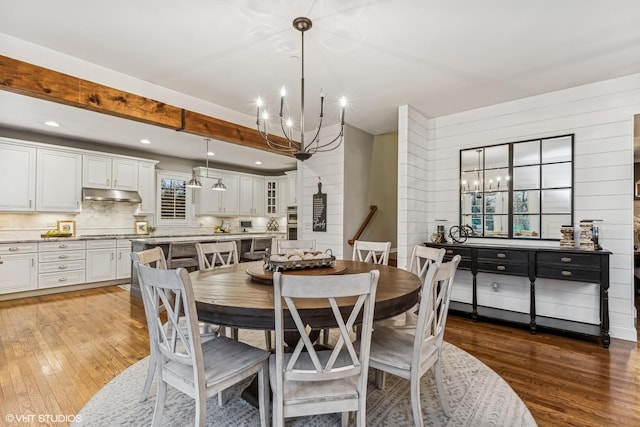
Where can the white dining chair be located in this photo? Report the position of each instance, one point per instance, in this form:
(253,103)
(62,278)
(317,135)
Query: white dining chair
(200,370)
(410,356)
(310,382)
(216,254)
(154,257)
(374,252)
(422,258)
(284,246)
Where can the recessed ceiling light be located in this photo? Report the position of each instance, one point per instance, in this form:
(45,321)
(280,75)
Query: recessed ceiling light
(211,153)
(258,162)
(145,141)
(52,124)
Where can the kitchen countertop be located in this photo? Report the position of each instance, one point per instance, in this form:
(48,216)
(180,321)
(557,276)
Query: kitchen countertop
(148,238)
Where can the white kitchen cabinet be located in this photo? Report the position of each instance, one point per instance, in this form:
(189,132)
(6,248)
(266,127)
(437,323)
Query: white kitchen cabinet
(252,196)
(18,267)
(283,195)
(61,263)
(18,178)
(58,181)
(123,259)
(272,192)
(210,202)
(147,186)
(292,190)
(101,260)
(109,172)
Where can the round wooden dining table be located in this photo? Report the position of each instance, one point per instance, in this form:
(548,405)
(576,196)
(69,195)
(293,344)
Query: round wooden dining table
(241,295)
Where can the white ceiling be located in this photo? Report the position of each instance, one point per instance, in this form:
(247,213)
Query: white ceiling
(440,57)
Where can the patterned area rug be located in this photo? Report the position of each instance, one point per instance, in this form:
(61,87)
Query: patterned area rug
(477,396)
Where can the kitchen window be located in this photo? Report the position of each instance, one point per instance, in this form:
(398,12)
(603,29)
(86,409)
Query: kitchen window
(174,199)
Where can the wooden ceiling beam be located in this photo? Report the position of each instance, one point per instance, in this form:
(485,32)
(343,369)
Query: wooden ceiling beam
(38,82)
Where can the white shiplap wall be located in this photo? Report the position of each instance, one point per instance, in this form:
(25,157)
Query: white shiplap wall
(601,117)
(329,167)
(414,178)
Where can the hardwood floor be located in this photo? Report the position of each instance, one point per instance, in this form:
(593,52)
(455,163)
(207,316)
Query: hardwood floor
(57,351)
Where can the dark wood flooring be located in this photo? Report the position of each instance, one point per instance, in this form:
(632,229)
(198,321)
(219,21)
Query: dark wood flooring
(57,351)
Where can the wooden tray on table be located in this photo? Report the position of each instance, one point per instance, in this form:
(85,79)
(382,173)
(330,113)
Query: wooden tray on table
(259,273)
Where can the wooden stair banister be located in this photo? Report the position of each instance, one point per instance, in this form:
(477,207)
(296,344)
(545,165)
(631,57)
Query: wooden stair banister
(372,211)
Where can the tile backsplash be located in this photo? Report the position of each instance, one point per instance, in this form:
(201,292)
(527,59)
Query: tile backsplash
(112,218)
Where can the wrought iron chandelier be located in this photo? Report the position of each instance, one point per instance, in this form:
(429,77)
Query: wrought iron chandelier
(301,151)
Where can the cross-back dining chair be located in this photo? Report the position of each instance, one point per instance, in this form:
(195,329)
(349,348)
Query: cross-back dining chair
(374,252)
(290,245)
(310,382)
(258,249)
(422,258)
(154,257)
(410,356)
(200,370)
(216,254)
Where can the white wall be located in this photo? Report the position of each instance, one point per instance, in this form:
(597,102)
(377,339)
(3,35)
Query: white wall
(601,117)
(329,167)
(415,177)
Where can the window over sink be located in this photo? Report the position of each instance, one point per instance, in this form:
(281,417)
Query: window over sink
(174,199)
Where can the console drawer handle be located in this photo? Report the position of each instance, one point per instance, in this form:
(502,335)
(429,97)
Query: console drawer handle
(62,256)
(62,246)
(565,259)
(62,279)
(14,249)
(62,267)
(501,268)
(565,273)
(501,255)
(449,251)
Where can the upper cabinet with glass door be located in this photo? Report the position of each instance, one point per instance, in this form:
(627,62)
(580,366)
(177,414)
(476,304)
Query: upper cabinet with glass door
(518,190)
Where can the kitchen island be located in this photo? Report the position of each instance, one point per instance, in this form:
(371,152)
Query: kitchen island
(243,241)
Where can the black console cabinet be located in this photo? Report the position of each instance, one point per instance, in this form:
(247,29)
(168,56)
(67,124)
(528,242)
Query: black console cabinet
(551,263)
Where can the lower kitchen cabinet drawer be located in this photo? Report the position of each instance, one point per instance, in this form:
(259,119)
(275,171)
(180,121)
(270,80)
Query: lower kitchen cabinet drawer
(69,245)
(17,248)
(65,278)
(60,256)
(50,267)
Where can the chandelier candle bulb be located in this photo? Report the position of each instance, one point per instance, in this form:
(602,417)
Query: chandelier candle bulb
(321,102)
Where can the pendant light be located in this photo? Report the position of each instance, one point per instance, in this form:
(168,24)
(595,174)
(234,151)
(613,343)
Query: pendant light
(195,183)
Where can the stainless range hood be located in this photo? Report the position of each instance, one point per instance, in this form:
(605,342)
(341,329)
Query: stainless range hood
(104,195)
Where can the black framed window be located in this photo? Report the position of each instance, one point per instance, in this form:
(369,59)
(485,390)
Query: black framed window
(519,190)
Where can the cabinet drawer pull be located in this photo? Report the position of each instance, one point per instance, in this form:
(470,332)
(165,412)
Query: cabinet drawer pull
(501,255)
(14,249)
(565,273)
(449,251)
(565,259)
(501,268)
(62,267)
(62,246)
(62,256)
(62,279)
